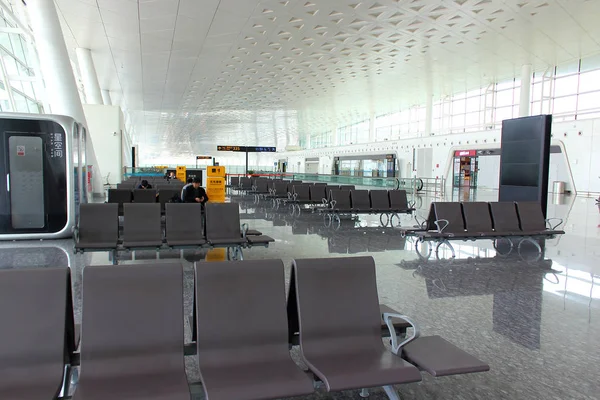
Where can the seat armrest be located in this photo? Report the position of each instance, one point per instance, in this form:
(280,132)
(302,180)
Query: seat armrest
(438,222)
(411,204)
(422,224)
(397,347)
(553,227)
(244,230)
(333,203)
(75,231)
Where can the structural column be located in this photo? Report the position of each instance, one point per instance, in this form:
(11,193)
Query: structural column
(89,77)
(55,66)
(106,98)
(372,128)
(428,115)
(525,102)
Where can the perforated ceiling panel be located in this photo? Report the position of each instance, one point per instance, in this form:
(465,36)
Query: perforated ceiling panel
(193,73)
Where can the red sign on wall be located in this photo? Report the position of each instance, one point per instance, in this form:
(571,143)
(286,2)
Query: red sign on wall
(465,153)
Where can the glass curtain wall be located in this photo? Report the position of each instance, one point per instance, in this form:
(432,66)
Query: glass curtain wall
(20,86)
(569,92)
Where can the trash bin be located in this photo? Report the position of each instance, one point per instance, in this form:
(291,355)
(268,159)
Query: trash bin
(559,187)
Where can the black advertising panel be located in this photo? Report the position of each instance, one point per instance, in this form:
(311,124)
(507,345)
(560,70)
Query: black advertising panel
(193,173)
(203,157)
(525,159)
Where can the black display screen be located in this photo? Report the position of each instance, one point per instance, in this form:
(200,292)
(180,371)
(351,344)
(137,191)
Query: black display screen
(525,159)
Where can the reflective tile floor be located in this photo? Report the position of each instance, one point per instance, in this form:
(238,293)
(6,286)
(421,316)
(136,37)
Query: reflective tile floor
(534,318)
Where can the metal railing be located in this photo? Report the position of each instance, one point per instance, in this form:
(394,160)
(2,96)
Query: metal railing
(389,183)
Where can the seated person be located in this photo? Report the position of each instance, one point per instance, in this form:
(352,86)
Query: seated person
(144,185)
(188,184)
(195,193)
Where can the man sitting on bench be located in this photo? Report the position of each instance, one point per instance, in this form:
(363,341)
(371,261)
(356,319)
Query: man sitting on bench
(195,193)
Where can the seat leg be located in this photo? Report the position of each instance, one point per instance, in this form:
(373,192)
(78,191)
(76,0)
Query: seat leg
(391,393)
(337,222)
(387,219)
(422,243)
(64,389)
(447,243)
(364,393)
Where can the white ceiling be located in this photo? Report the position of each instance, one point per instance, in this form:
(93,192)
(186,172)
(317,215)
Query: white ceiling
(194,73)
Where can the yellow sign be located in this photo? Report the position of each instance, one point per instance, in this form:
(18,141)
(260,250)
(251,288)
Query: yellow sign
(215,189)
(180,174)
(219,254)
(215,171)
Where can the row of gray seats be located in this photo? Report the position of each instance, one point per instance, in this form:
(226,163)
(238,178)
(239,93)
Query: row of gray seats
(162,196)
(98,227)
(449,221)
(133,328)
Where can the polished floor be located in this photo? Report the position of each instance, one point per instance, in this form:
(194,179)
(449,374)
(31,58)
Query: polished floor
(534,318)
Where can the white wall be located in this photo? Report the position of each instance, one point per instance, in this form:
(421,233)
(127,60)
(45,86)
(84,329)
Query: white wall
(312,167)
(424,161)
(105,124)
(581,141)
(488,176)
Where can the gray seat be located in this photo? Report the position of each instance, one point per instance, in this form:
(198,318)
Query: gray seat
(441,358)
(223,225)
(262,186)
(120,197)
(380,200)
(318,193)
(450,219)
(234,182)
(361,202)
(142,225)
(245,183)
(259,240)
(301,193)
(399,201)
(505,218)
(133,333)
(281,189)
(532,220)
(144,196)
(184,225)
(257,364)
(165,195)
(340,325)
(347,187)
(98,226)
(340,200)
(400,325)
(35,309)
(478,220)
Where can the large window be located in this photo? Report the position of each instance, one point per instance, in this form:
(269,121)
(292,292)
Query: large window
(569,92)
(320,140)
(353,134)
(20,89)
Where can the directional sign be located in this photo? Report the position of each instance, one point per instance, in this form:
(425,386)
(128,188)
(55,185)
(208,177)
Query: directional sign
(231,148)
(203,157)
(254,149)
(248,149)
